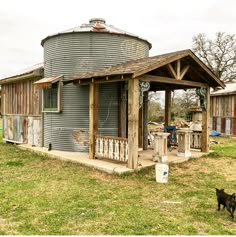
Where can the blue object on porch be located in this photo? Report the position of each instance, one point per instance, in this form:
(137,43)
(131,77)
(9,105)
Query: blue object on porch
(215,133)
(172,138)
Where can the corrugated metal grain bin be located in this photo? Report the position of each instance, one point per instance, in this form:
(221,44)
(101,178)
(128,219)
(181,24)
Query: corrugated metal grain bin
(86,48)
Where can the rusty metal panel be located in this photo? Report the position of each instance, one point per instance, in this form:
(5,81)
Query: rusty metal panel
(222,130)
(17,129)
(233,126)
(30,129)
(234,106)
(228,126)
(22,129)
(218,124)
(214,123)
(10,127)
(4,127)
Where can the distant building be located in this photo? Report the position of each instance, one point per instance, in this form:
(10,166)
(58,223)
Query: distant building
(223,109)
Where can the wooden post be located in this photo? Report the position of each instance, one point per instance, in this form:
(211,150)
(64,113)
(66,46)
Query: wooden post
(145,120)
(140,128)
(206,123)
(167,107)
(93,118)
(133,116)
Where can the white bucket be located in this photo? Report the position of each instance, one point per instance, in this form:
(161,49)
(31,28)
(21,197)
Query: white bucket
(162,173)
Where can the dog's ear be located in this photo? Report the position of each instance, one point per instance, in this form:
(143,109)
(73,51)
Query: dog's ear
(217,189)
(233,196)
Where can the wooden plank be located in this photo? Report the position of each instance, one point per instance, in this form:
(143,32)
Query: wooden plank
(133,116)
(169,80)
(178,65)
(167,107)
(93,118)
(145,120)
(140,128)
(206,123)
(183,72)
(171,70)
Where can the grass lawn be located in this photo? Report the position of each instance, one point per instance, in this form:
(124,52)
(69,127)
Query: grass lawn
(42,196)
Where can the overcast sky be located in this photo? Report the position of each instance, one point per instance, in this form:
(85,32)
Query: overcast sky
(168,24)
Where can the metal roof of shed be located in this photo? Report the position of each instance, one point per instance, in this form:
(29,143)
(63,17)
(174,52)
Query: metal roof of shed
(230,89)
(35,70)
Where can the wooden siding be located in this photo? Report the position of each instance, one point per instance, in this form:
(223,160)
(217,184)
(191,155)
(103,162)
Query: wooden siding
(223,106)
(21,98)
(223,113)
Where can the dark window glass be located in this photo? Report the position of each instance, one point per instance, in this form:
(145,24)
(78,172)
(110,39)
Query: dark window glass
(50,98)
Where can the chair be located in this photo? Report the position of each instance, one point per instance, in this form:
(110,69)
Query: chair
(172,138)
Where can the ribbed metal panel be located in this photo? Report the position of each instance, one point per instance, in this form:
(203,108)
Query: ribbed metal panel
(108,109)
(71,54)
(75,53)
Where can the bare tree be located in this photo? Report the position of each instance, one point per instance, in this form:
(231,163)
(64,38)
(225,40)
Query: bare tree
(218,54)
(182,103)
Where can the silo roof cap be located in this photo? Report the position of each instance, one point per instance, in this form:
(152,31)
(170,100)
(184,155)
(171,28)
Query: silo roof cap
(96,25)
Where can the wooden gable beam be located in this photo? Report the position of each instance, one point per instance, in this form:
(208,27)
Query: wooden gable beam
(177,73)
(178,67)
(173,81)
(171,70)
(183,72)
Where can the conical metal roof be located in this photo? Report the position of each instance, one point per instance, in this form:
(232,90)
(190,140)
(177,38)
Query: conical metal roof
(97,25)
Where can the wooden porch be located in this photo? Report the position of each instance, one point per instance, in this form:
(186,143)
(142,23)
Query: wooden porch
(169,72)
(145,159)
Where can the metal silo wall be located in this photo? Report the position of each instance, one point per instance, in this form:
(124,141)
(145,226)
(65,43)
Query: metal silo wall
(75,53)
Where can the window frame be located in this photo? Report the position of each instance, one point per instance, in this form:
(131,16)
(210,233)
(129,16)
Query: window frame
(58,109)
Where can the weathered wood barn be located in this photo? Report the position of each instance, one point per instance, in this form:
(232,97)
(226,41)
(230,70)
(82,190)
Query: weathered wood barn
(93,96)
(21,107)
(223,109)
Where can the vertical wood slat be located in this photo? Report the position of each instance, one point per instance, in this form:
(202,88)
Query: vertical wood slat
(167,107)
(133,117)
(93,117)
(21,98)
(206,123)
(145,120)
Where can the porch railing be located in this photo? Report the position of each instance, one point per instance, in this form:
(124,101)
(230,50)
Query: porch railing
(114,148)
(196,140)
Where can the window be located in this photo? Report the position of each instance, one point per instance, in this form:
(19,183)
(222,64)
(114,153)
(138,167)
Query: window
(51,98)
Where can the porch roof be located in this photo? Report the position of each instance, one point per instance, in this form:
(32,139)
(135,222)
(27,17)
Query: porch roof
(47,81)
(196,70)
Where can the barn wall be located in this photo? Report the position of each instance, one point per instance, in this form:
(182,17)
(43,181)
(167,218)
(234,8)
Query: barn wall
(21,98)
(223,114)
(21,110)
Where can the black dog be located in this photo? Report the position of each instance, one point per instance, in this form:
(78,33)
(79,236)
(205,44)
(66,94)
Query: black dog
(227,200)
